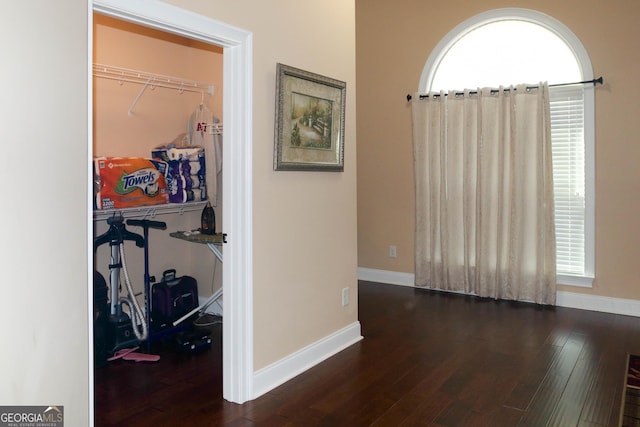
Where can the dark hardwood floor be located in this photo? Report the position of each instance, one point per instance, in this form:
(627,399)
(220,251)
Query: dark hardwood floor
(427,359)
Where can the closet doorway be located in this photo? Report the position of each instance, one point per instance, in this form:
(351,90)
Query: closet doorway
(236,45)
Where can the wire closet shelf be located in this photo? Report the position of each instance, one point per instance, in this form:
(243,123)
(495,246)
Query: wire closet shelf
(153,80)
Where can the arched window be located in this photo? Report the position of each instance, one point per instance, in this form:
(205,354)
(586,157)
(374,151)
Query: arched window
(512,46)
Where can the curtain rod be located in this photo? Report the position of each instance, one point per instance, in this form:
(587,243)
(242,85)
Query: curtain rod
(594,81)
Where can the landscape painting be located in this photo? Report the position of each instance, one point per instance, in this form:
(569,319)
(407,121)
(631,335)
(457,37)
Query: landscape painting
(309,125)
(310,122)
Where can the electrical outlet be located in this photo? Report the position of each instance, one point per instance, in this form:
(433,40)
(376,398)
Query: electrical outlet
(345,297)
(392,251)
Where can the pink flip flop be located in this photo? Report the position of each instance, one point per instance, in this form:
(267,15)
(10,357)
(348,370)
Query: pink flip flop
(121,353)
(141,357)
(129,354)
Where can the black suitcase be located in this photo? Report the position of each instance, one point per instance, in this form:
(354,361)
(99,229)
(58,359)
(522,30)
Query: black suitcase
(172,298)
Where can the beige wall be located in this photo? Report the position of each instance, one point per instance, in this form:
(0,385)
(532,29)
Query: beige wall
(43,249)
(159,116)
(304,223)
(389,65)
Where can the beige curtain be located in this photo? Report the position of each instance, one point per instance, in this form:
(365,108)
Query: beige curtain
(484,193)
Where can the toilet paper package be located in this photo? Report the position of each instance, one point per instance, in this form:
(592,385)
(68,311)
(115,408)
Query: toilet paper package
(124,182)
(185,173)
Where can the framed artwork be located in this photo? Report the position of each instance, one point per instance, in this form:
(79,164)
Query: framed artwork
(309,126)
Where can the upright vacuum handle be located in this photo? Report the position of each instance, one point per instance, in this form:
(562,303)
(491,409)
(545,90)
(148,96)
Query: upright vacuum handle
(117,233)
(147,223)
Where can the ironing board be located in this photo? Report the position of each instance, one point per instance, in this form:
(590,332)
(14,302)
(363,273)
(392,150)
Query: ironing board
(211,240)
(214,242)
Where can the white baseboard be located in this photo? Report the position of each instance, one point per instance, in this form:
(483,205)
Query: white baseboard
(627,307)
(580,301)
(385,276)
(278,373)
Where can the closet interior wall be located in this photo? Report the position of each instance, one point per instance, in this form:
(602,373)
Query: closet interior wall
(159,116)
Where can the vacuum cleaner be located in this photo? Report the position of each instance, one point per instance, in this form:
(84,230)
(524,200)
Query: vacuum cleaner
(114,329)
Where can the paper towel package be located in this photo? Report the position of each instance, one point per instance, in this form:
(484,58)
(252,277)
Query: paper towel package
(185,174)
(124,182)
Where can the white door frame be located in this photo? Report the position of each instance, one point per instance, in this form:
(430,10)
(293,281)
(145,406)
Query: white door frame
(237,271)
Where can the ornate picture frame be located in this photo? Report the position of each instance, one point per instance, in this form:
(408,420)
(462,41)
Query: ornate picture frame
(309,122)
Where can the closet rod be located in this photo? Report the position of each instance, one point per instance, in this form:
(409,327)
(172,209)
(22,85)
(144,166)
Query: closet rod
(142,77)
(595,82)
(148,79)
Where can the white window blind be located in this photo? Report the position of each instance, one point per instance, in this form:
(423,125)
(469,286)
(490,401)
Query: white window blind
(568,149)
